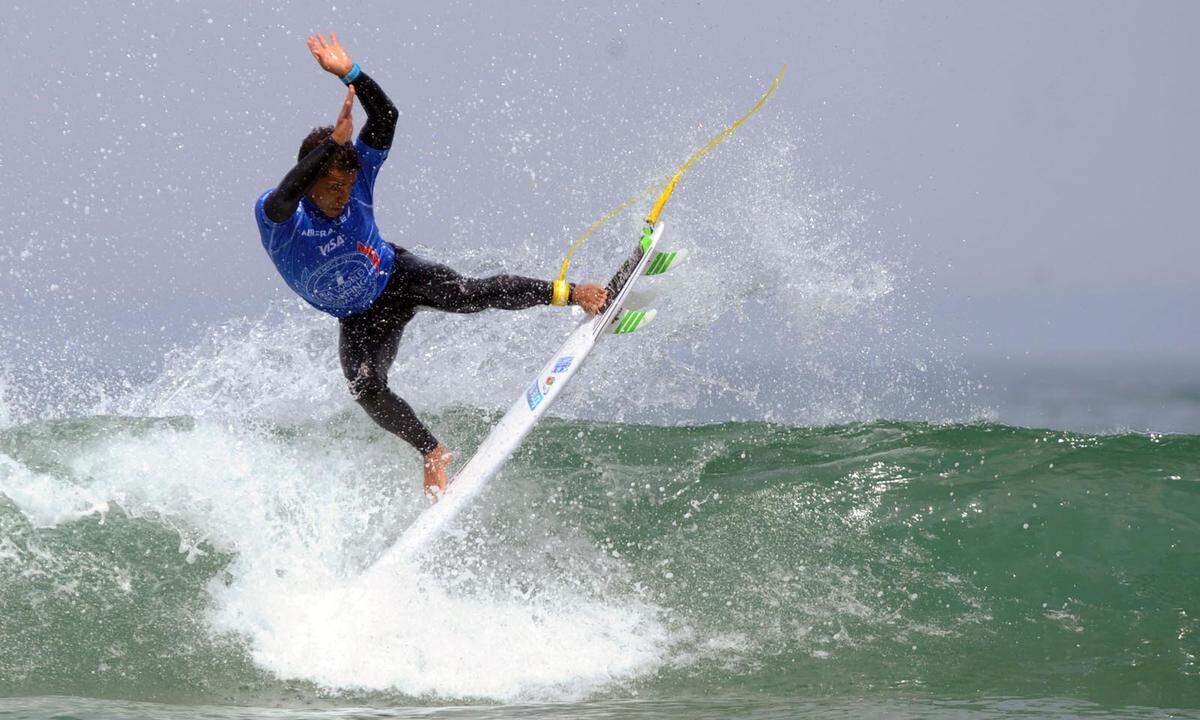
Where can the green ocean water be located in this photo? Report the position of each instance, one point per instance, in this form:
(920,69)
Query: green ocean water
(731,570)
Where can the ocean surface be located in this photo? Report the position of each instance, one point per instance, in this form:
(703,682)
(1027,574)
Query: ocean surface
(171,566)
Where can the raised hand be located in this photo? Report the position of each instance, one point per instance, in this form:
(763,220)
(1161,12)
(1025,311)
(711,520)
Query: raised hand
(343,127)
(330,54)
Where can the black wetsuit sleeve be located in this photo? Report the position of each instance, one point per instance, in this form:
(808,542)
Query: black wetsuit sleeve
(381,113)
(281,203)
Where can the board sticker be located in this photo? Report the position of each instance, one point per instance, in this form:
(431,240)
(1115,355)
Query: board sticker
(562,363)
(533,396)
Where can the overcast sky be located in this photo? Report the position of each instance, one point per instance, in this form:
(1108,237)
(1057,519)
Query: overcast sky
(1037,162)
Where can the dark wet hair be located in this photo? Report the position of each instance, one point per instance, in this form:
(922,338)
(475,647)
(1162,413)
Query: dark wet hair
(344,157)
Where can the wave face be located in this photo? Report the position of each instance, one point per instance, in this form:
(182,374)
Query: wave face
(195,560)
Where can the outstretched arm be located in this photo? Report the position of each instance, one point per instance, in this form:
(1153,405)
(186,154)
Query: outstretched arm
(381,113)
(380,127)
(281,203)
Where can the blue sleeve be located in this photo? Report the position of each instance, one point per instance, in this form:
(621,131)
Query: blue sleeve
(274,234)
(370,159)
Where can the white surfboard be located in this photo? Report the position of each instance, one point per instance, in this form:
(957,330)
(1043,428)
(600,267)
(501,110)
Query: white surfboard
(537,396)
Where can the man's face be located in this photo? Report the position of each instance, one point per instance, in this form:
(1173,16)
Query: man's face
(331,191)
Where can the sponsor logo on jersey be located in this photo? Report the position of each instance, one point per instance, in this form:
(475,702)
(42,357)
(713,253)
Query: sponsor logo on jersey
(370,253)
(332,245)
(339,282)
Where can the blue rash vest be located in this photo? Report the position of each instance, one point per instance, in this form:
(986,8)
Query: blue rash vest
(339,265)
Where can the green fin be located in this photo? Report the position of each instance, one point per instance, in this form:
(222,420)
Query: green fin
(632,320)
(664,261)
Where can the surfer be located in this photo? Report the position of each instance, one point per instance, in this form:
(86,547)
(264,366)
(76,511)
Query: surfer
(319,228)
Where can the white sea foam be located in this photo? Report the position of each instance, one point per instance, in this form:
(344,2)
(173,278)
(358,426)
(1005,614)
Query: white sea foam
(301,514)
(44,499)
(401,630)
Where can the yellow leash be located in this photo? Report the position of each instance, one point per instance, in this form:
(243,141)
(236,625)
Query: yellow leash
(655,211)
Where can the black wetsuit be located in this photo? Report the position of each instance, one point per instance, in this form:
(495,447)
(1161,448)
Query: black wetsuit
(369,340)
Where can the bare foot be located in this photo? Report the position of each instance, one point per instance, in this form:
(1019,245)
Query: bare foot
(436,463)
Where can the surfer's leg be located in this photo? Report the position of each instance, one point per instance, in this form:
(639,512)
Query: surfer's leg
(439,287)
(367,347)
